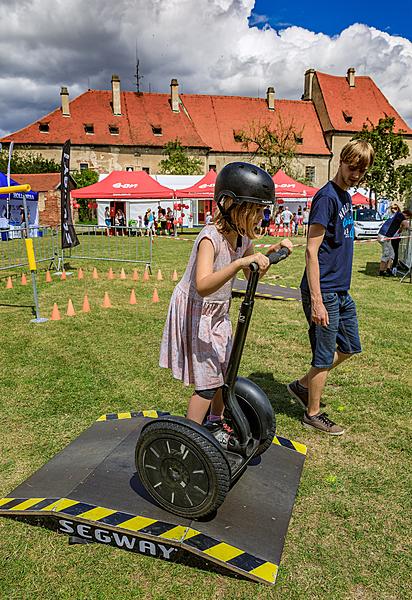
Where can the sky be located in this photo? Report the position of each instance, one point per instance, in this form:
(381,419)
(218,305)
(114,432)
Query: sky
(231,47)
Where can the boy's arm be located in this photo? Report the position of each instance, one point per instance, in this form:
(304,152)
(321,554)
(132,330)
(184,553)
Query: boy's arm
(315,237)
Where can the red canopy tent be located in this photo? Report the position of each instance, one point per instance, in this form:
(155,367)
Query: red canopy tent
(359,199)
(288,188)
(125,185)
(205,188)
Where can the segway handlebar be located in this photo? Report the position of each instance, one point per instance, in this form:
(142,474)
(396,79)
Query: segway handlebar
(274,258)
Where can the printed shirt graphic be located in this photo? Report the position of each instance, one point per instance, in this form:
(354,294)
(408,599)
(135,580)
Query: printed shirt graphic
(332,208)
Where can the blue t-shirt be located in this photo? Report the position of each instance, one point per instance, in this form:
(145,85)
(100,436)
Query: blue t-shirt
(332,208)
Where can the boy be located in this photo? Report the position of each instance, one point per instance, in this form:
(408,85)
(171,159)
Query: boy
(328,307)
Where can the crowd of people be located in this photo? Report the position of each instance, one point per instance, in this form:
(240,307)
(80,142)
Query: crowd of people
(285,222)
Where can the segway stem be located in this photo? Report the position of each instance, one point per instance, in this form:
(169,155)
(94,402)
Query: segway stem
(245,313)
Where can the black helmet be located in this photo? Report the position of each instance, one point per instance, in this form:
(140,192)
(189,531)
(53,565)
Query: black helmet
(244,182)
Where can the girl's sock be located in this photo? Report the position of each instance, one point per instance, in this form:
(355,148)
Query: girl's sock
(213,418)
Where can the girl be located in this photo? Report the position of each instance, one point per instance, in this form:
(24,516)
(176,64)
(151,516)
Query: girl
(197,337)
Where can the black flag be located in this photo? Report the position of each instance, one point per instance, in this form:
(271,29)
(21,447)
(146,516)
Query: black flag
(69,237)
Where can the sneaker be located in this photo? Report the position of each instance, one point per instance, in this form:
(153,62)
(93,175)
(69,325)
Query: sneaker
(300,393)
(221,431)
(321,423)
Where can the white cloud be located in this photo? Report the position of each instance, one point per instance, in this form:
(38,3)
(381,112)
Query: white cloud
(209,46)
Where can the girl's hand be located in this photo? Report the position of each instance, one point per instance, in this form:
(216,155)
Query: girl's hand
(259,258)
(286,243)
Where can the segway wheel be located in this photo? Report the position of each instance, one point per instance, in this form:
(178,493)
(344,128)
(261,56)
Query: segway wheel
(184,472)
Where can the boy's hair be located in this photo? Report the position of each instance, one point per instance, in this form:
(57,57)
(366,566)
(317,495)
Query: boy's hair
(358,153)
(244,216)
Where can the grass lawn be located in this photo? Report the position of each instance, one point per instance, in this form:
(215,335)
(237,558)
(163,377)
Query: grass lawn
(350,532)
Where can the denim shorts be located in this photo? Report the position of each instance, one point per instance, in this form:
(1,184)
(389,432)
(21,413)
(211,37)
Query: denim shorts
(342,332)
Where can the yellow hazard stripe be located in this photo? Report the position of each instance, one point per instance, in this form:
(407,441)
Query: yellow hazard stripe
(5,500)
(223,552)
(137,523)
(26,504)
(97,513)
(279,441)
(179,532)
(153,414)
(64,503)
(267,571)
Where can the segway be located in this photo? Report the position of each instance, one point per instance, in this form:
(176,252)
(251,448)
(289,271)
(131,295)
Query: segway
(181,464)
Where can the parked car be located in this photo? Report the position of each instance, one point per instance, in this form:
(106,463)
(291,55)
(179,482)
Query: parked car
(367,222)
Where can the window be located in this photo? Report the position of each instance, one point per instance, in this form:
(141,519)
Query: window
(129,168)
(237,136)
(44,127)
(114,130)
(146,169)
(212,168)
(83,166)
(156,130)
(310,173)
(347,116)
(298,138)
(89,128)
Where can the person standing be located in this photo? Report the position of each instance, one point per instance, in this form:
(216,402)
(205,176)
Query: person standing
(305,221)
(286,216)
(329,309)
(391,228)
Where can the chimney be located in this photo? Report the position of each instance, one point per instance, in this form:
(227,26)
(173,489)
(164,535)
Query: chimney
(270,98)
(174,95)
(116,106)
(65,101)
(307,93)
(350,76)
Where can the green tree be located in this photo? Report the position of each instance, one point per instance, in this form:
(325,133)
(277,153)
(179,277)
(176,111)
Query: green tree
(27,162)
(178,162)
(273,141)
(385,177)
(405,184)
(84,178)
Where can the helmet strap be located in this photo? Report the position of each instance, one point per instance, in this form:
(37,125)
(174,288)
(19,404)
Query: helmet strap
(226,215)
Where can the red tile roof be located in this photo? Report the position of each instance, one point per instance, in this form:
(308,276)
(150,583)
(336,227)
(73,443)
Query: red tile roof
(218,117)
(40,182)
(362,102)
(204,121)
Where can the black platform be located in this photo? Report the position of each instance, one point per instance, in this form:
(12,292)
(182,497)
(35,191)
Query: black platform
(90,490)
(267,290)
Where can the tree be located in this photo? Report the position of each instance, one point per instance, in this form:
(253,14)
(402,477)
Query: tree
(84,178)
(23,162)
(178,162)
(405,184)
(385,178)
(274,142)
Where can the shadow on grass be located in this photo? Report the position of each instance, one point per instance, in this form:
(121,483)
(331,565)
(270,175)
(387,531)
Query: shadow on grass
(33,309)
(278,394)
(371,269)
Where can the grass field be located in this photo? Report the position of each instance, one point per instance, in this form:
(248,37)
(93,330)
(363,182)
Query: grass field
(349,536)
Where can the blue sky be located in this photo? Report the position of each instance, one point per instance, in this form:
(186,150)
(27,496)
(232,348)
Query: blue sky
(331,18)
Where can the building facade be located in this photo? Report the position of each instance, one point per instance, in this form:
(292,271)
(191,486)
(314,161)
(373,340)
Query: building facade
(122,130)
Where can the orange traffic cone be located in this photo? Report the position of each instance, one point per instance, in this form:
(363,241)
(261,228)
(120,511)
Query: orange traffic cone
(86,305)
(9,284)
(110,274)
(135,275)
(132,297)
(23,279)
(55,316)
(63,276)
(155,297)
(146,275)
(48,277)
(122,274)
(159,275)
(80,274)
(95,273)
(70,309)
(106,301)
(174,276)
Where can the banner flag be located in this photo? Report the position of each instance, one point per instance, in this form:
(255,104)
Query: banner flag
(69,237)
